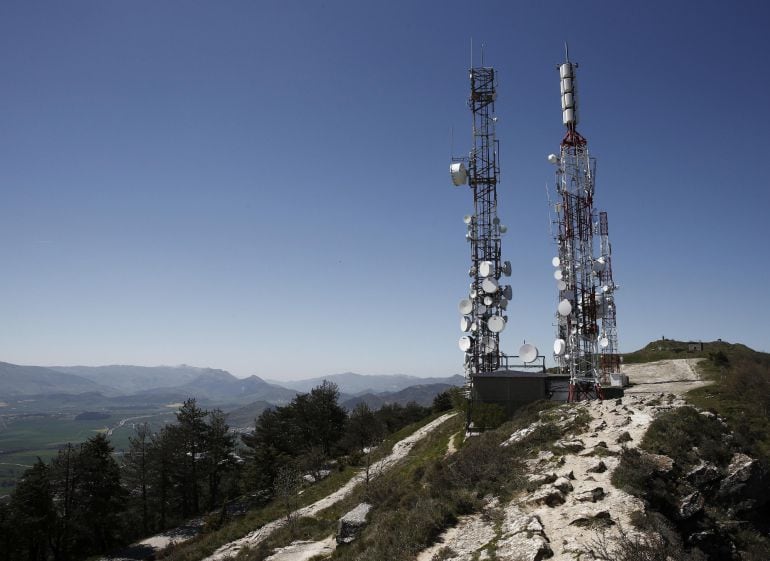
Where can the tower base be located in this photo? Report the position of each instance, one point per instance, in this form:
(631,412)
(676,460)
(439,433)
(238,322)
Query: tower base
(584,390)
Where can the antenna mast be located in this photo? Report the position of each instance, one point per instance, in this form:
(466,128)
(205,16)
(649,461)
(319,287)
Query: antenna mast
(586,311)
(482,310)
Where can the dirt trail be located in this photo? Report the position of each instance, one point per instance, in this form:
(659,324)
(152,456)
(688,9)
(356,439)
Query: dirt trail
(664,376)
(400,450)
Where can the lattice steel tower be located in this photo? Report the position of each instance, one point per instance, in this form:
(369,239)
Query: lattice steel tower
(585,299)
(482,311)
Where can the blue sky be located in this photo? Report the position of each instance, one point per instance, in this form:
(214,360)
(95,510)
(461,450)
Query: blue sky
(263,186)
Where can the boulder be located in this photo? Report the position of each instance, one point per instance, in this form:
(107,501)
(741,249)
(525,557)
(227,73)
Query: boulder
(601,519)
(522,537)
(601,467)
(625,437)
(570,445)
(351,524)
(521,547)
(703,474)
(549,496)
(563,484)
(538,479)
(690,505)
(590,496)
(745,484)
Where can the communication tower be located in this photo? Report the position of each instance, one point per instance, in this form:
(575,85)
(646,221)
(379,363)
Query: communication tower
(483,309)
(609,362)
(586,339)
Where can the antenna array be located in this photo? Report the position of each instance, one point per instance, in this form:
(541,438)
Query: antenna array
(586,340)
(483,310)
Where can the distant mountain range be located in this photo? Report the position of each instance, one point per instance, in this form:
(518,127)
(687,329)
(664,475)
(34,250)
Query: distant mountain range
(166,384)
(355,384)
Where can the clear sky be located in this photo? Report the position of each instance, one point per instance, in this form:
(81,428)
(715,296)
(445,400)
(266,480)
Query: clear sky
(263,186)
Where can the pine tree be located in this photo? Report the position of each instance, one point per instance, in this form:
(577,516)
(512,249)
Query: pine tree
(192,432)
(136,471)
(100,498)
(30,517)
(220,445)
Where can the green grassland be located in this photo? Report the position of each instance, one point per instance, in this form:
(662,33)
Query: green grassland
(25,437)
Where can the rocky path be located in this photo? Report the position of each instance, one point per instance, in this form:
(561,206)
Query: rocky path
(399,451)
(571,494)
(664,376)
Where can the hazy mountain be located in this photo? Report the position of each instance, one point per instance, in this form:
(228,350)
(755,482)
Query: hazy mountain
(221,385)
(16,380)
(421,394)
(243,417)
(133,379)
(352,383)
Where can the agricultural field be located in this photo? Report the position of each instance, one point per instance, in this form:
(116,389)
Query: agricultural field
(26,436)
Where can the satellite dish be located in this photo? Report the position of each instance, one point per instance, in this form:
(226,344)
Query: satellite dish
(507,268)
(508,292)
(487,269)
(495,221)
(465,323)
(528,353)
(561,285)
(496,324)
(559,346)
(553,159)
(474,326)
(465,343)
(599,264)
(488,301)
(473,294)
(555,261)
(468,218)
(557,274)
(565,308)
(482,309)
(503,228)
(489,285)
(604,342)
(459,173)
(605,288)
(465,306)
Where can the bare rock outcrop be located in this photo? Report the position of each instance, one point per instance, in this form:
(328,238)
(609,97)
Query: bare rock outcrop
(351,524)
(523,537)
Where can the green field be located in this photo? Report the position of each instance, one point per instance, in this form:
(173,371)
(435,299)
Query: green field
(24,438)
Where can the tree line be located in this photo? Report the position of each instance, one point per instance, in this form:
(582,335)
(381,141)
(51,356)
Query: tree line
(87,501)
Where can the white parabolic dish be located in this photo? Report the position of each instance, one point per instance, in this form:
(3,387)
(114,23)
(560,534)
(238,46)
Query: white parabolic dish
(487,269)
(561,285)
(555,261)
(465,306)
(604,342)
(564,308)
(489,285)
(557,274)
(559,346)
(465,343)
(528,352)
(465,323)
(459,173)
(496,324)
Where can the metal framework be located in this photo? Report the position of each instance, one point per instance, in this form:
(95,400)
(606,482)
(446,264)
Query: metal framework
(484,307)
(610,359)
(586,345)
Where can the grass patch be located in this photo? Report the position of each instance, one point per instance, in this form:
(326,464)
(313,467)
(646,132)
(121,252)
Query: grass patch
(205,544)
